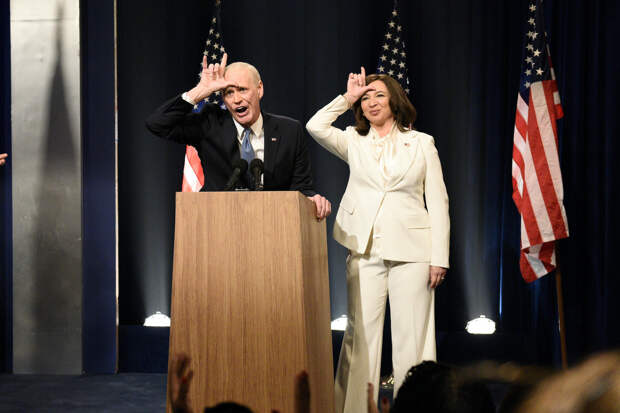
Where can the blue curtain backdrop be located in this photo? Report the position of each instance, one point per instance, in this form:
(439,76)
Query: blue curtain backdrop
(584,37)
(464,61)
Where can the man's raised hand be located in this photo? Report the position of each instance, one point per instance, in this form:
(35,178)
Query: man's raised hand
(211,80)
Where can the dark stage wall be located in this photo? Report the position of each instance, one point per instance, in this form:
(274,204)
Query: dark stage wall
(464,60)
(6,210)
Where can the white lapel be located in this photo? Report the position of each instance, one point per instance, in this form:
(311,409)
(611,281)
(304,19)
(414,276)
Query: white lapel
(406,151)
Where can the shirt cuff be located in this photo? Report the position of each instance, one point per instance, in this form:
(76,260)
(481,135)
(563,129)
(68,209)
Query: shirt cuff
(186,98)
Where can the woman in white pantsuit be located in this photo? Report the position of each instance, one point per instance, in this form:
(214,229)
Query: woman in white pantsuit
(394,220)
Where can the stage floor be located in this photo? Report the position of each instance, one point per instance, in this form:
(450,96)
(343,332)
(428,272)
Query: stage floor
(119,393)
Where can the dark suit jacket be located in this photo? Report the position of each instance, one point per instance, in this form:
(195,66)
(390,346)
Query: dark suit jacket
(212,132)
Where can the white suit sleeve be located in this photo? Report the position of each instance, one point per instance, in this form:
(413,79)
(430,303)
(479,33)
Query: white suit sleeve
(437,204)
(320,127)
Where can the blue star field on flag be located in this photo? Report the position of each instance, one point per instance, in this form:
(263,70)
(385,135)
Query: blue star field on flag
(214,50)
(536,65)
(392,54)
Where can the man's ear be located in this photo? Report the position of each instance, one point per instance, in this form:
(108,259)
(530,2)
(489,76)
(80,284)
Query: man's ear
(261,91)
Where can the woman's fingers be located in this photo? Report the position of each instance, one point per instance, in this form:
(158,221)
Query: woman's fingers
(436,276)
(432,281)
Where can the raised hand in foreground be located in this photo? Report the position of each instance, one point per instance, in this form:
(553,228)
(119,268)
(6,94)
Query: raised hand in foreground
(372,405)
(180,379)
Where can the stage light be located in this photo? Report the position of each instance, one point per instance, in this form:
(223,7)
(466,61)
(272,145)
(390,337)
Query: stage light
(157,320)
(340,324)
(480,325)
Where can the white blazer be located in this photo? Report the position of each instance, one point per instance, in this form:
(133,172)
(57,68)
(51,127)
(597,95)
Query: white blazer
(410,231)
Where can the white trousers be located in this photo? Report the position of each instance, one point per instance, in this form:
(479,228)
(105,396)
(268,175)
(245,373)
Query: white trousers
(370,280)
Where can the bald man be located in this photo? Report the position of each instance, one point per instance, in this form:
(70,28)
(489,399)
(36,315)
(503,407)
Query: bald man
(222,137)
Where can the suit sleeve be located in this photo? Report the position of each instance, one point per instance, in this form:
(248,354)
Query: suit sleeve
(437,204)
(321,129)
(175,121)
(302,173)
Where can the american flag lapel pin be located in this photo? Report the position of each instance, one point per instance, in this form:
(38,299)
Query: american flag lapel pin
(407,144)
(274,139)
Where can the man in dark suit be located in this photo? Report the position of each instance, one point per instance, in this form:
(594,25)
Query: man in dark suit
(222,137)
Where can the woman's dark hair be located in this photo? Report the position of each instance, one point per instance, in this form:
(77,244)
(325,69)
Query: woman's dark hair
(402,109)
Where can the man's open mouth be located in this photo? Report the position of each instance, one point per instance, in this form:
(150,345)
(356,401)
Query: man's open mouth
(241,110)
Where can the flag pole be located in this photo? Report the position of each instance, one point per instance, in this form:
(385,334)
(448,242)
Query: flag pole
(560,299)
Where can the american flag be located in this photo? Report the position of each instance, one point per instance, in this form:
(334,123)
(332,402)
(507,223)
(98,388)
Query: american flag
(392,55)
(193,175)
(536,176)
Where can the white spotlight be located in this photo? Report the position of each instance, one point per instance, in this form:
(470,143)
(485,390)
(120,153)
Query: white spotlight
(157,320)
(480,325)
(340,324)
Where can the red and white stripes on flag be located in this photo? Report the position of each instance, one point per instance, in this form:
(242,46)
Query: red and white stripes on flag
(193,176)
(536,176)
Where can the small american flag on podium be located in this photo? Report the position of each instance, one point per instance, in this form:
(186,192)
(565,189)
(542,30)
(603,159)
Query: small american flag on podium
(536,176)
(193,175)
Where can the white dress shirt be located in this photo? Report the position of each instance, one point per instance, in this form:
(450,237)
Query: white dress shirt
(257,137)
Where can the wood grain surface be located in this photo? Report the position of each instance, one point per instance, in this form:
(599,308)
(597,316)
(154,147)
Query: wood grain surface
(250,299)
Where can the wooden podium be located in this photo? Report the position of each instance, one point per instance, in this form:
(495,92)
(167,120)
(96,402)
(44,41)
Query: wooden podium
(250,299)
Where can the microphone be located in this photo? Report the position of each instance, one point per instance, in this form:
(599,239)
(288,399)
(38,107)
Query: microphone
(239,168)
(256,169)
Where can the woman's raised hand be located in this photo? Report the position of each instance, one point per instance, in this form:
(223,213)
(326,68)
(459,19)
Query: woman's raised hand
(211,79)
(356,86)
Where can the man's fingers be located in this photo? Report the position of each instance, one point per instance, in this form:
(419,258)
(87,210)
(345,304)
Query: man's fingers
(320,208)
(324,205)
(223,64)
